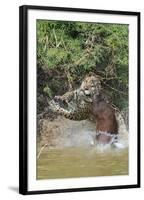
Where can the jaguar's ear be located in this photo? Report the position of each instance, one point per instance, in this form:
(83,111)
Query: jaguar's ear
(90,74)
(95,75)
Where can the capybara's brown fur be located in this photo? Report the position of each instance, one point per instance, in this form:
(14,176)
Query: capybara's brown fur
(105,119)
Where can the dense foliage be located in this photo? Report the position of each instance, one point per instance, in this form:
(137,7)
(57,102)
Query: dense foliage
(67,51)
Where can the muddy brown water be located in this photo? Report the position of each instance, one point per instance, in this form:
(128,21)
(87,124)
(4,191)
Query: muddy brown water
(71,153)
(81,162)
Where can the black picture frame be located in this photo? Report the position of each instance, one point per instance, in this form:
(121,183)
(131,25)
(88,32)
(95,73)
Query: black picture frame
(23,97)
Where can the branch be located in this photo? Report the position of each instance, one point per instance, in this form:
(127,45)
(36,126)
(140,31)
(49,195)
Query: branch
(57,44)
(110,78)
(41,149)
(69,77)
(118,91)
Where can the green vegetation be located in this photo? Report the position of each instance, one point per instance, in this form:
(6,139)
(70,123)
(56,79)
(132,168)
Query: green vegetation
(67,51)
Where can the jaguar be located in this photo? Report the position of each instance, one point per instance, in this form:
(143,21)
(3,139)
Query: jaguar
(76,104)
(86,101)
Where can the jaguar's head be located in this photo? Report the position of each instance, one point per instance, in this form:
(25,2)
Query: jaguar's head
(91,86)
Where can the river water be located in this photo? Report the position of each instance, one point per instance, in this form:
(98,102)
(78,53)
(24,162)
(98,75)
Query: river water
(81,162)
(74,154)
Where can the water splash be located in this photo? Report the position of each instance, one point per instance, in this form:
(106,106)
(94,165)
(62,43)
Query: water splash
(64,133)
(68,149)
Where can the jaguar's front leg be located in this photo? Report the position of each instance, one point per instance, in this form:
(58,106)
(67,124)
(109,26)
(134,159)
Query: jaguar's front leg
(55,107)
(69,114)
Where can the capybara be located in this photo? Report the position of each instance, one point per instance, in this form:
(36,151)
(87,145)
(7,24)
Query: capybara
(106,123)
